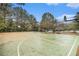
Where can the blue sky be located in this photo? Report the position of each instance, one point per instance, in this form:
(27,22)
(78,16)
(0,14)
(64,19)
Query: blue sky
(57,9)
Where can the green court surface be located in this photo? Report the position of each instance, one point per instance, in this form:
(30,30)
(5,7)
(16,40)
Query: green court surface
(38,44)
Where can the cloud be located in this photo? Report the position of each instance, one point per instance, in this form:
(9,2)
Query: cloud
(55,4)
(61,17)
(73,5)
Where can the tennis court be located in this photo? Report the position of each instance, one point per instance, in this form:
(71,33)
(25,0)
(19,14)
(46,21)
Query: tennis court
(38,44)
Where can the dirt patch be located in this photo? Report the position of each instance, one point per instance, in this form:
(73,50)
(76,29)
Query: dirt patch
(6,37)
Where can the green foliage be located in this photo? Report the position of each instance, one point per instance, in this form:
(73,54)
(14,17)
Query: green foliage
(2,25)
(47,22)
(15,18)
(74,25)
(33,22)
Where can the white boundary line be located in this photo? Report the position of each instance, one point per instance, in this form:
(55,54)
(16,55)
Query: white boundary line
(72,47)
(18,47)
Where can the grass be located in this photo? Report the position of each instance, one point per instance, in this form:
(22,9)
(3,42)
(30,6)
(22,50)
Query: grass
(35,43)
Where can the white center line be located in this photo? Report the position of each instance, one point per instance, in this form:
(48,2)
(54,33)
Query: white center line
(72,47)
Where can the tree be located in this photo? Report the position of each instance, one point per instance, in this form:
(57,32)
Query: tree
(33,23)
(6,10)
(10,25)
(21,16)
(47,22)
(74,25)
(76,21)
(2,24)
